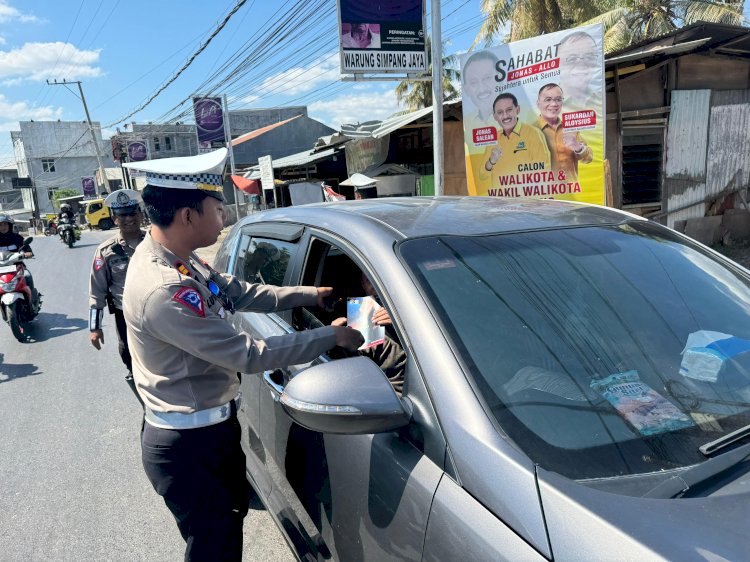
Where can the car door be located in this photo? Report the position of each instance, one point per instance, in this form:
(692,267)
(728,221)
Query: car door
(349,497)
(241,250)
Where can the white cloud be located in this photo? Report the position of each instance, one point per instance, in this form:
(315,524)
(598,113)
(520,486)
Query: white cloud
(9,13)
(13,112)
(355,108)
(38,61)
(299,80)
(2,40)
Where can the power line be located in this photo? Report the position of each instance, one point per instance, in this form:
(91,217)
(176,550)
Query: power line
(190,60)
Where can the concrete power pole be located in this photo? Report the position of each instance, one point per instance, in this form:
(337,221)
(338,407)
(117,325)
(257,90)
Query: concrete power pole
(102,172)
(437,97)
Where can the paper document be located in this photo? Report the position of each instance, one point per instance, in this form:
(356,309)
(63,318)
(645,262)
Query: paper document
(359,312)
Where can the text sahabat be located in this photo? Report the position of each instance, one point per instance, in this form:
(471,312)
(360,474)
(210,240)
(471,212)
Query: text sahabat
(386,60)
(503,67)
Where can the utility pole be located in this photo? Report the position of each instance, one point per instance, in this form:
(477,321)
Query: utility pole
(437,97)
(102,171)
(228,140)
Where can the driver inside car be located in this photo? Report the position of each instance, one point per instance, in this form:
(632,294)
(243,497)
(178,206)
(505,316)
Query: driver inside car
(388,355)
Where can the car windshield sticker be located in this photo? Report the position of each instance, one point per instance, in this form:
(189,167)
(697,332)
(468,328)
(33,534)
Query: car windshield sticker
(98,263)
(191,299)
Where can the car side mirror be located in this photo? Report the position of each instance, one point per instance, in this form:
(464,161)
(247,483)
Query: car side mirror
(348,396)
(27,241)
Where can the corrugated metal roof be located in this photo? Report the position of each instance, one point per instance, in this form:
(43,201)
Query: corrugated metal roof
(651,51)
(380,129)
(299,159)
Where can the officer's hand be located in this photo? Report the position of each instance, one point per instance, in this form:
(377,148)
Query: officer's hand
(322,293)
(348,338)
(28,255)
(97,338)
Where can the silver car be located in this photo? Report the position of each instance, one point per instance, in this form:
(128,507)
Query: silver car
(574,385)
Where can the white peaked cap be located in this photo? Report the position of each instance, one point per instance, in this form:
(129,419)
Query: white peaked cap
(204,171)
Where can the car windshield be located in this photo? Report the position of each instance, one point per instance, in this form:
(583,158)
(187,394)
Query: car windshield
(601,351)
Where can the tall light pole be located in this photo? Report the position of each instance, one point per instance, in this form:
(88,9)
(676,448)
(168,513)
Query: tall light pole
(437,97)
(102,171)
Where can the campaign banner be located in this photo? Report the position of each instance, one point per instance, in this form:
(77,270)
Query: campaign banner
(382,37)
(88,183)
(534,117)
(209,123)
(137,151)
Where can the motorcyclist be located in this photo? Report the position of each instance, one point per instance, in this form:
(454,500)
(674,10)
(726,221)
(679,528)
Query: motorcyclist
(67,211)
(13,242)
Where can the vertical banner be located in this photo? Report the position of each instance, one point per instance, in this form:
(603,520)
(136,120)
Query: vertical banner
(137,151)
(382,37)
(209,123)
(89,186)
(534,117)
(266,172)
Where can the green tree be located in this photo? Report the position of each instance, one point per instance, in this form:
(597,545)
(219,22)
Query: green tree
(625,23)
(634,21)
(62,193)
(416,95)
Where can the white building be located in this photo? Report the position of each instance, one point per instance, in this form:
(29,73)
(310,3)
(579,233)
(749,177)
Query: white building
(55,155)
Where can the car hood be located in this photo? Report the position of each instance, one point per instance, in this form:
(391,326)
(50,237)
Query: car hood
(586,523)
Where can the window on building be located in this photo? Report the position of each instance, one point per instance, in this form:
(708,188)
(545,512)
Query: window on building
(642,155)
(51,194)
(157,146)
(167,143)
(48,165)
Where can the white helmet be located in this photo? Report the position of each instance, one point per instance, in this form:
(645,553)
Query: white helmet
(6,218)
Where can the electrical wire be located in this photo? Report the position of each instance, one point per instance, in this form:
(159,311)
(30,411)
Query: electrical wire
(187,64)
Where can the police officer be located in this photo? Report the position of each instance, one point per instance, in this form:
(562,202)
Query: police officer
(107,279)
(186,355)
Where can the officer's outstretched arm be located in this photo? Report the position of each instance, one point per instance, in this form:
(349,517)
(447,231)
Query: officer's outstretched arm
(178,315)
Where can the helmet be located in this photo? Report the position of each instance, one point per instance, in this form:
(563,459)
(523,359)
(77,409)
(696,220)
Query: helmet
(64,206)
(6,218)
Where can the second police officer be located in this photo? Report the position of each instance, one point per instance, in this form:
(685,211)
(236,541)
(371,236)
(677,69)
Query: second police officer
(108,270)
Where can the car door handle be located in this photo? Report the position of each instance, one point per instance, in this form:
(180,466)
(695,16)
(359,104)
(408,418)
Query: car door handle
(273,380)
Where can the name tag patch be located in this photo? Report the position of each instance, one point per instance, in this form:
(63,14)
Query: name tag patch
(191,299)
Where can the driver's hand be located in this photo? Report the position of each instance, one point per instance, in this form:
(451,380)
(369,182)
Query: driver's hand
(339,322)
(348,338)
(96,337)
(381,317)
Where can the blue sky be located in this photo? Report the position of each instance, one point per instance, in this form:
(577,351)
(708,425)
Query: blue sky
(124,51)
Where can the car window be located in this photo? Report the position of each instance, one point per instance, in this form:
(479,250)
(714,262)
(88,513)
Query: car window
(263,260)
(602,351)
(329,266)
(94,207)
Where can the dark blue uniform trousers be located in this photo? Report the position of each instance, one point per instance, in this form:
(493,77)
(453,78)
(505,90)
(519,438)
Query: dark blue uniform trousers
(200,473)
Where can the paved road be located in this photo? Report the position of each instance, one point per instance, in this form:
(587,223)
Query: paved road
(71,483)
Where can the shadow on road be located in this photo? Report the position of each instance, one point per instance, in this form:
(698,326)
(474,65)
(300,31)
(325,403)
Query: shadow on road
(50,325)
(9,372)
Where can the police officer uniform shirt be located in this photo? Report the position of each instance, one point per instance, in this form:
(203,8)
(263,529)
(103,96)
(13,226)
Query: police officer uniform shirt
(186,354)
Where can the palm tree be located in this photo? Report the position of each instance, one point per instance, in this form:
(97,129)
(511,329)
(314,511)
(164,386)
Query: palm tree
(639,20)
(529,18)
(418,94)
(625,23)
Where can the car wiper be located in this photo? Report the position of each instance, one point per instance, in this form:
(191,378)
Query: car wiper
(712,446)
(680,483)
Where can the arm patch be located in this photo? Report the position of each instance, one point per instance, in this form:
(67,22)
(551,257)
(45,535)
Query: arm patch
(191,299)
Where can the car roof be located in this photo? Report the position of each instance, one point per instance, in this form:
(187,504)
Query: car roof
(411,217)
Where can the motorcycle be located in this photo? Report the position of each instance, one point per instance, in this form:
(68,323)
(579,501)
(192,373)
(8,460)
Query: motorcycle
(19,303)
(68,231)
